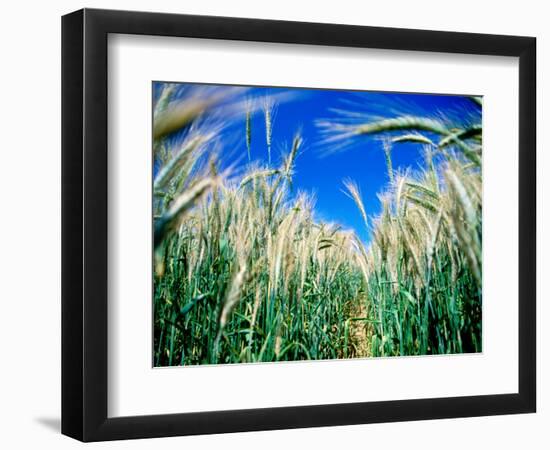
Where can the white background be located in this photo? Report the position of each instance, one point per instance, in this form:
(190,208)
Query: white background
(30,287)
(135,389)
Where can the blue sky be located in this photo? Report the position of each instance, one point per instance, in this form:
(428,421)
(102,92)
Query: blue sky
(322,173)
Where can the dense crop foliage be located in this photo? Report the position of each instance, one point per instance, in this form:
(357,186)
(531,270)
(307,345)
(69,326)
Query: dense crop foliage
(244,272)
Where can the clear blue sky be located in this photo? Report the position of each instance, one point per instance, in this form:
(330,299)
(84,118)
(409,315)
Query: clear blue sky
(322,173)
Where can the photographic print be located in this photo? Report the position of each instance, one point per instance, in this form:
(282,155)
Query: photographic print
(295,224)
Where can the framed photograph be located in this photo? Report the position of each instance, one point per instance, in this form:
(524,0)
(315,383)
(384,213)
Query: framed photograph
(273,224)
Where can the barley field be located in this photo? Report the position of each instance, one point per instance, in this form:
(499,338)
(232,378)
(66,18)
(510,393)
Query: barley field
(250,265)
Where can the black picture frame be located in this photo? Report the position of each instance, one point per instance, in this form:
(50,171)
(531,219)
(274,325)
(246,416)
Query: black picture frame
(84,224)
